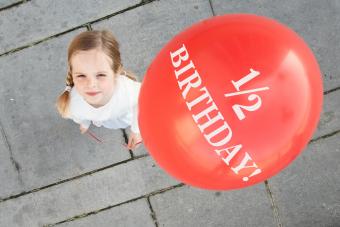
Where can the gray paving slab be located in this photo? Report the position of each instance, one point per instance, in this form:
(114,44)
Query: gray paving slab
(140,150)
(90,193)
(308,191)
(330,117)
(47,147)
(10,180)
(318,22)
(5,3)
(132,214)
(143,31)
(187,206)
(36,20)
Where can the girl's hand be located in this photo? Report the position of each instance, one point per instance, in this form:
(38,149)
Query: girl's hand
(83,129)
(134,140)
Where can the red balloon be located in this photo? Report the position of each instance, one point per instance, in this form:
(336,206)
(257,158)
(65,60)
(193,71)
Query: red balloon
(230,101)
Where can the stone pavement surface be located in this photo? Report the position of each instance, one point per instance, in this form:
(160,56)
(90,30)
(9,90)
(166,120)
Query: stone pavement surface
(51,175)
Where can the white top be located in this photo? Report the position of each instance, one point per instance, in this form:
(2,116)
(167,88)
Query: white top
(120,112)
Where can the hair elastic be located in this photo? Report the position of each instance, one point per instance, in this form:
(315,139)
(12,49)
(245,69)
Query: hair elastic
(68,88)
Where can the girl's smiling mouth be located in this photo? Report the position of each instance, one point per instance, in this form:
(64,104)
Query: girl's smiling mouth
(92,93)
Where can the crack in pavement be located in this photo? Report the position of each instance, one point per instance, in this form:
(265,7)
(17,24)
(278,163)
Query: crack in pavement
(14,162)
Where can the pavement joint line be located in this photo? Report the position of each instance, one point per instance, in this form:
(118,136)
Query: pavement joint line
(273,204)
(126,139)
(88,27)
(77,27)
(12,5)
(148,1)
(42,40)
(9,148)
(143,2)
(324,136)
(146,196)
(153,214)
(331,90)
(72,178)
(212,8)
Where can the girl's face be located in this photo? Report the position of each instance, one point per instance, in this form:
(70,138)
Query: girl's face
(93,76)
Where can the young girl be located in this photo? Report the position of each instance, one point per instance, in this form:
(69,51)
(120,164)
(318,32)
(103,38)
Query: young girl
(98,88)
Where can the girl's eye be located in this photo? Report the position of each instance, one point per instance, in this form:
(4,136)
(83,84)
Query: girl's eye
(101,75)
(80,76)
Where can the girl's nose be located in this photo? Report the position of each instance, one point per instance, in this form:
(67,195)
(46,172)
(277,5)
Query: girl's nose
(92,82)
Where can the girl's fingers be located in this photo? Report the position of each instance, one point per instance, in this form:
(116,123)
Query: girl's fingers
(136,145)
(133,144)
(130,143)
(82,129)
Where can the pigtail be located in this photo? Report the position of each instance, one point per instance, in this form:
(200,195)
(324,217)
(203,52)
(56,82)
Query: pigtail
(129,74)
(64,99)
(62,104)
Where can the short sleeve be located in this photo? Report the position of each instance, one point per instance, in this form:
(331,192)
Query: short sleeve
(134,124)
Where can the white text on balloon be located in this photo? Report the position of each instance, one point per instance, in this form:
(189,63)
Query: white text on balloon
(188,79)
(238,108)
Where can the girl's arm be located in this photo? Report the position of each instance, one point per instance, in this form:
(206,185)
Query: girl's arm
(133,94)
(134,140)
(135,137)
(83,128)
(134,124)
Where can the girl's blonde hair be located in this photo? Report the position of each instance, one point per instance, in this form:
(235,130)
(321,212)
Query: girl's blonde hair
(89,40)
